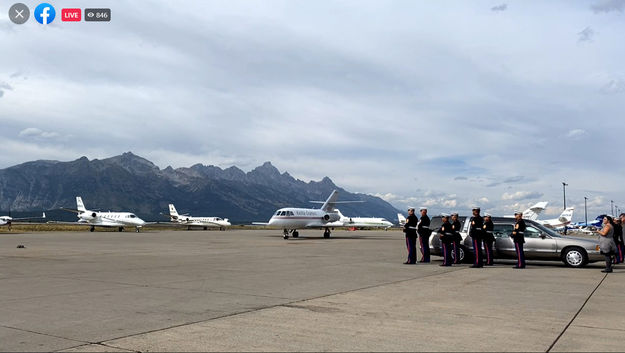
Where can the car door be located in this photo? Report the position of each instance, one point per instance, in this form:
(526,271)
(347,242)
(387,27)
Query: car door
(504,246)
(538,245)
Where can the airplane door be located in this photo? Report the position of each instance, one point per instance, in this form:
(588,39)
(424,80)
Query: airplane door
(504,246)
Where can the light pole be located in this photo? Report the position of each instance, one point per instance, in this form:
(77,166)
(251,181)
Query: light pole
(585,211)
(564,185)
(612,208)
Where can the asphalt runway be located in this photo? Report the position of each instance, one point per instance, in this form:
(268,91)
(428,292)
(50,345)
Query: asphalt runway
(250,290)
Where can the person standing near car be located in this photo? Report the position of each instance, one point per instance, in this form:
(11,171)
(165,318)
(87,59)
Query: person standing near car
(518,236)
(410,230)
(621,249)
(455,228)
(606,243)
(618,240)
(446,236)
(489,239)
(423,228)
(475,231)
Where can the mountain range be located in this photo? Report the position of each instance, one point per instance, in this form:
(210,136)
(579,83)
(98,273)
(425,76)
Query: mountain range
(131,183)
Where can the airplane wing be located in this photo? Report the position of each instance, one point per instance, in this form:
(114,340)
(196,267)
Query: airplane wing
(43,216)
(260,223)
(70,210)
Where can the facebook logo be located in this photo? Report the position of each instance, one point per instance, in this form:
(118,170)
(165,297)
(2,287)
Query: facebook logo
(44,13)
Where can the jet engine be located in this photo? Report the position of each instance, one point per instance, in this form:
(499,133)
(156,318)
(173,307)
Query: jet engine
(331,217)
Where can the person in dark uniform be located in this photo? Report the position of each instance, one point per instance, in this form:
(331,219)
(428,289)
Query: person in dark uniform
(618,240)
(475,231)
(423,228)
(410,230)
(518,236)
(489,239)
(455,229)
(447,238)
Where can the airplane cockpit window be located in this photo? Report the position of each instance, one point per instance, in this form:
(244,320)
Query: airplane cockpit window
(133,216)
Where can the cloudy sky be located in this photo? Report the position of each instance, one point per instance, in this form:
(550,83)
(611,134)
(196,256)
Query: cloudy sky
(440,103)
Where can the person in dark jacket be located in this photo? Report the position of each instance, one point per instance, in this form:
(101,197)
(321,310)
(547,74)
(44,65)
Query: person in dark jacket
(455,228)
(410,230)
(489,239)
(518,236)
(621,247)
(423,228)
(446,236)
(618,240)
(475,231)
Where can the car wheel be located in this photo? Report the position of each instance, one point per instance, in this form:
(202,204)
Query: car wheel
(574,257)
(461,255)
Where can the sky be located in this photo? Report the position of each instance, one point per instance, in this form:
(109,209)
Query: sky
(445,104)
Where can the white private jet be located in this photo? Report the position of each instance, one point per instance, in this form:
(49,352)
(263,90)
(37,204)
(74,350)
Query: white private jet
(563,220)
(8,220)
(108,219)
(190,221)
(533,212)
(360,222)
(291,219)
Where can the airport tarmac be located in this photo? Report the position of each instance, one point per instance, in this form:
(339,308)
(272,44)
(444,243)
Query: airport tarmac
(250,290)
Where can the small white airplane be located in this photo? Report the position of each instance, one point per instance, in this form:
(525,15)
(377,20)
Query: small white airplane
(563,220)
(8,220)
(109,219)
(401,218)
(360,222)
(533,212)
(190,221)
(291,219)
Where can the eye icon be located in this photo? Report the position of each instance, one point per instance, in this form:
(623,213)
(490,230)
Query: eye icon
(90,14)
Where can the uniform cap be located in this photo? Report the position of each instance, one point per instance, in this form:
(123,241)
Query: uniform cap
(423,208)
(487,215)
(444,215)
(455,214)
(475,208)
(518,212)
(410,208)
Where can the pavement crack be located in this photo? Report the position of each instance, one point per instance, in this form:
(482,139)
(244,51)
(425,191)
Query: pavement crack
(576,314)
(41,333)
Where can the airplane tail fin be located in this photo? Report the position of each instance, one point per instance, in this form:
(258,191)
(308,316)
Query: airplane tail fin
(533,212)
(567,215)
(401,219)
(80,206)
(173,213)
(328,206)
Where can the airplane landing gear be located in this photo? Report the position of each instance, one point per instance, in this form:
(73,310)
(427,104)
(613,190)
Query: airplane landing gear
(10,226)
(138,229)
(120,229)
(295,233)
(92,229)
(205,228)
(285,234)
(326,233)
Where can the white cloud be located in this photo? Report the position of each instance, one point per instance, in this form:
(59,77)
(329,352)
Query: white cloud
(521,195)
(33,132)
(576,133)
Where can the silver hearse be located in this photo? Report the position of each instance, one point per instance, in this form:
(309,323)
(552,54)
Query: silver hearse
(541,243)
